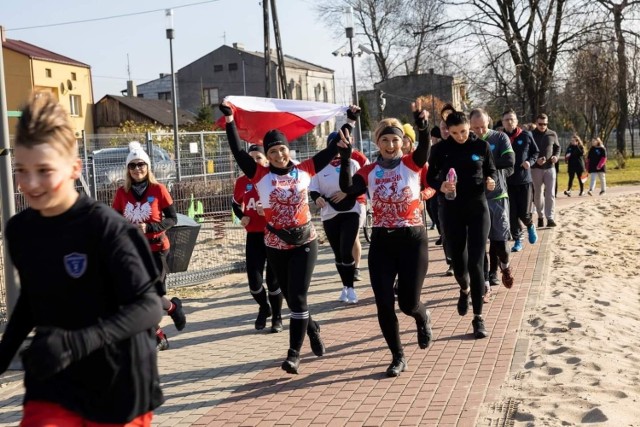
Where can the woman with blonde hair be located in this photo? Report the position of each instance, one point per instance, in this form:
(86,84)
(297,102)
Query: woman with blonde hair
(146,203)
(399,245)
(597,165)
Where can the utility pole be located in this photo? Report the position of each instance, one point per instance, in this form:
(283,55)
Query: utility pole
(267,49)
(282,74)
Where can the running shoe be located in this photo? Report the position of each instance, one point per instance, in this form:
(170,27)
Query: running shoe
(479,330)
(162,343)
(507,277)
(449,272)
(292,362)
(398,365)
(533,234)
(463,303)
(263,314)
(439,241)
(276,324)
(493,278)
(551,223)
(178,316)
(315,340)
(540,222)
(343,295)
(602,192)
(590,193)
(424,331)
(567,193)
(517,247)
(356,275)
(352,297)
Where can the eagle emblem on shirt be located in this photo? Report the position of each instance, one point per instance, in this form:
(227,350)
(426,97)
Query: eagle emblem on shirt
(137,213)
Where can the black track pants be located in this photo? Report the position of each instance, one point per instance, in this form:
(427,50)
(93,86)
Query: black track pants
(466,224)
(520,199)
(401,252)
(342,231)
(293,269)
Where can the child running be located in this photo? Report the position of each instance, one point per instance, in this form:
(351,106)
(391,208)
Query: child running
(399,245)
(147,204)
(88,287)
(292,246)
(246,206)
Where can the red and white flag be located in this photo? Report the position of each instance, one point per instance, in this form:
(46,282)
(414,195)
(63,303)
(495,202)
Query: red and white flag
(255,116)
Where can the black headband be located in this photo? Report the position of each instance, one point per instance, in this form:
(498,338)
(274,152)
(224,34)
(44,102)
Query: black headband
(391,130)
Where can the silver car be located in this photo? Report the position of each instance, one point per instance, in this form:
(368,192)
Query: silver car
(109,167)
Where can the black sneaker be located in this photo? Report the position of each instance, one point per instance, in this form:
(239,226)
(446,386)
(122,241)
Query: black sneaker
(449,272)
(439,241)
(178,316)
(292,362)
(493,278)
(398,365)
(424,332)
(276,324)
(551,223)
(263,314)
(162,343)
(463,303)
(479,331)
(356,275)
(315,340)
(540,222)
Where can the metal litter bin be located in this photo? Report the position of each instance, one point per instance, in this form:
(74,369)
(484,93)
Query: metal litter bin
(182,237)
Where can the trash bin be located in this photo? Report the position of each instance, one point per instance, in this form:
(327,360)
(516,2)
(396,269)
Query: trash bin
(182,238)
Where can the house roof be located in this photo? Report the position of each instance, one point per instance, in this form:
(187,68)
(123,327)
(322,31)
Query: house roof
(35,52)
(289,61)
(157,110)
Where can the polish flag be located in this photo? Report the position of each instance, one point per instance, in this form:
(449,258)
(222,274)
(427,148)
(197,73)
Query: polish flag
(255,116)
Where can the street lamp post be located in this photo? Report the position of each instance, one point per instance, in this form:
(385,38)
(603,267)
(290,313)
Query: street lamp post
(348,26)
(174,98)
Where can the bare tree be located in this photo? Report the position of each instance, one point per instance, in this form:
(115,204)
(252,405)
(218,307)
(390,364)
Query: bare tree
(533,33)
(617,11)
(388,28)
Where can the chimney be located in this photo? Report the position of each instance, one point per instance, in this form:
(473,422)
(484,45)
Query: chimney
(162,75)
(238,46)
(132,90)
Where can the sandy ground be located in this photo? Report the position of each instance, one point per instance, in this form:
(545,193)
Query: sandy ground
(583,365)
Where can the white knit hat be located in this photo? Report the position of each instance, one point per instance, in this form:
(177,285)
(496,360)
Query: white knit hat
(136,152)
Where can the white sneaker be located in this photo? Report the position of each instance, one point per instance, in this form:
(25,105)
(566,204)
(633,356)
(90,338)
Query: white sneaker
(344,296)
(351,295)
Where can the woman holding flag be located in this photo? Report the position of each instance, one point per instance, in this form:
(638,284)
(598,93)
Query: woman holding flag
(290,238)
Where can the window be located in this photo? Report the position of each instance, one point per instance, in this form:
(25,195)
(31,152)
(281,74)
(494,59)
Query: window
(233,66)
(298,92)
(316,91)
(75,108)
(210,96)
(47,72)
(325,94)
(165,96)
(217,68)
(73,77)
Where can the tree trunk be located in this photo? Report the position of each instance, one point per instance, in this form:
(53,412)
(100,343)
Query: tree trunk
(623,101)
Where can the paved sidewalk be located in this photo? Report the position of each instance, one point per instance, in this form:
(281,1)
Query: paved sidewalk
(220,371)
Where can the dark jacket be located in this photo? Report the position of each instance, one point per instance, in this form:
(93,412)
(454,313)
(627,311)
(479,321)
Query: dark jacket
(548,146)
(526,149)
(597,159)
(574,157)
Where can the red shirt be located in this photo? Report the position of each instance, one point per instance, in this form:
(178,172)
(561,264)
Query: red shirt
(360,158)
(246,195)
(148,211)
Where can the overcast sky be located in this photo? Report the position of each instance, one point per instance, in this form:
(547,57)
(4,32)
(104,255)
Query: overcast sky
(200,29)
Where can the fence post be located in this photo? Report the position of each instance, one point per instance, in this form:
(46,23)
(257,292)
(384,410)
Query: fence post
(204,157)
(7,191)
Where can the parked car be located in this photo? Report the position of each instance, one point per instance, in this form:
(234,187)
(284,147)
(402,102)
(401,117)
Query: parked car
(109,166)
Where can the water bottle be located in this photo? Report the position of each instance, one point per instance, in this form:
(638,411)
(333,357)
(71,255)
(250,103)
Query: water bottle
(451,177)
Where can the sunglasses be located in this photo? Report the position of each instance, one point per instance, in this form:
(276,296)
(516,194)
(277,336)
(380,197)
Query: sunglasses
(542,124)
(139,165)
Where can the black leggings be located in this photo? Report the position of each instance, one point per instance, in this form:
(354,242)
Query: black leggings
(256,257)
(293,269)
(466,224)
(498,252)
(575,173)
(342,231)
(520,198)
(403,252)
(160,257)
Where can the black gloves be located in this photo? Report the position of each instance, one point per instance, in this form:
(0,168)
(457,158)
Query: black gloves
(421,122)
(226,110)
(49,353)
(353,115)
(345,153)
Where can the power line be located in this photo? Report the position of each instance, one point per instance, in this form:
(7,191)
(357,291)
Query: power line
(110,17)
